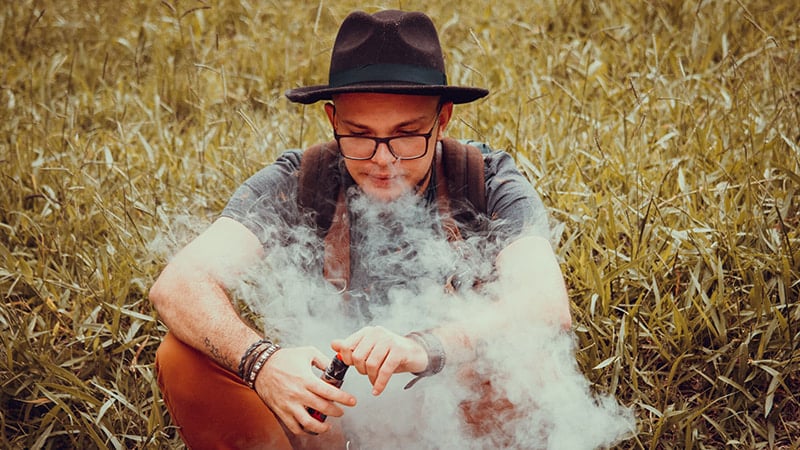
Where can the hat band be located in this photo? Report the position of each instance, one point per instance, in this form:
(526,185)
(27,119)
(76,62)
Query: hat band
(388,72)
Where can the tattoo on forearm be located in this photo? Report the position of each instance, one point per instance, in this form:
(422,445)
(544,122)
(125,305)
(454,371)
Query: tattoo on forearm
(217,354)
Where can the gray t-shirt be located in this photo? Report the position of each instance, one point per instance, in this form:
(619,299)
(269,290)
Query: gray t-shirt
(267,205)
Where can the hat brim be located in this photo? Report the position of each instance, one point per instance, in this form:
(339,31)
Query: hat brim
(456,94)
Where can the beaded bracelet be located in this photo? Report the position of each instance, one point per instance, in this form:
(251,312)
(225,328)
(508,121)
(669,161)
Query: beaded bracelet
(251,362)
(436,355)
(259,364)
(248,353)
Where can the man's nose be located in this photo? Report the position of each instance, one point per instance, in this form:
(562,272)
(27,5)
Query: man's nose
(383,155)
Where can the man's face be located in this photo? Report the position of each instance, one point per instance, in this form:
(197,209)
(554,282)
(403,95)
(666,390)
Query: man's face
(385,177)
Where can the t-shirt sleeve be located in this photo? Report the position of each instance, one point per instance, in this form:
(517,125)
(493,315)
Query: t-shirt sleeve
(267,201)
(513,205)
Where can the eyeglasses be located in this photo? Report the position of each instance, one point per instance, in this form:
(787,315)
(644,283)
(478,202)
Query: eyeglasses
(405,147)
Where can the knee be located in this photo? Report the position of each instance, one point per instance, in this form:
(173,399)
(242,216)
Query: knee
(168,355)
(178,364)
(171,354)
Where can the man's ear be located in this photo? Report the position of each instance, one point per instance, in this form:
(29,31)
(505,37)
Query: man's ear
(330,110)
(444,117)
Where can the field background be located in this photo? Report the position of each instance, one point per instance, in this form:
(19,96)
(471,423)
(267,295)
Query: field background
(664,135)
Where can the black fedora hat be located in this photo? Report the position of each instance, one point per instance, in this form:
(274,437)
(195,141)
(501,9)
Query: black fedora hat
(390,51)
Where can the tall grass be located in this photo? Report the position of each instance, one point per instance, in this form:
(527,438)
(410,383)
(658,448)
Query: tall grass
(664,135)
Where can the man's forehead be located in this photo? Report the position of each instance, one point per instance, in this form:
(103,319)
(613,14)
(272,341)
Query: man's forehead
(367,110)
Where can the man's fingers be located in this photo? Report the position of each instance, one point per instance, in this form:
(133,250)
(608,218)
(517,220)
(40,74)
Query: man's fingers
(337,345)
(331,393)
(307,423)
(299,419)
(289,420)
(360,355)
(386,371)
(325,407)
(376,360)
(320,361)
(346,346)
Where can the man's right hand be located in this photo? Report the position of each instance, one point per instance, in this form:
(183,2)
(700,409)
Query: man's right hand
(288,385)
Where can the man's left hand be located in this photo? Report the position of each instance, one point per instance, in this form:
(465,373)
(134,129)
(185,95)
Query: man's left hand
(379,353)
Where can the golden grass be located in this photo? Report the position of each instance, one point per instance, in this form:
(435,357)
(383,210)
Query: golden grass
(664,135)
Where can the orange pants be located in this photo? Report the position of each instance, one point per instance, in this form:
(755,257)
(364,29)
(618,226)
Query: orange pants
(214,409)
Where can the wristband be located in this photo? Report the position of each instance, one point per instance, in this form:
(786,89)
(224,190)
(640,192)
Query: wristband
(436,355)
(247,354)
(259,364)
(254,359)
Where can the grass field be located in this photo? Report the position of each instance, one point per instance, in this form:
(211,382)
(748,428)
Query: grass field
(664,135)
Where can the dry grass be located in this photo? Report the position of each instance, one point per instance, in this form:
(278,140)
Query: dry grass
(665,136)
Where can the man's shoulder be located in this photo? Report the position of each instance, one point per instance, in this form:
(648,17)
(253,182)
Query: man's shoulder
(287,163)
(483,147)
(494,160)
(290,158)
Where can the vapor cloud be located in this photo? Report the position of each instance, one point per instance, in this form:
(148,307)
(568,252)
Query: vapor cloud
(535,397)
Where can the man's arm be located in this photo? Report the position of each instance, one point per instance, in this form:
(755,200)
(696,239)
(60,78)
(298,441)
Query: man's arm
(529,275)
(531,289)
(192,300)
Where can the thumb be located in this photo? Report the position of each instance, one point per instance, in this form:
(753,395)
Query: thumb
(320,360)
(337,345)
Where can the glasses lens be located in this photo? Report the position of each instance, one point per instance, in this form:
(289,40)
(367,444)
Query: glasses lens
(403,147)
(408,147)
(356,147)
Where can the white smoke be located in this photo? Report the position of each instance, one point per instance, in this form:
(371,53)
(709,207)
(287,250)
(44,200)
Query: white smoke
(540,398)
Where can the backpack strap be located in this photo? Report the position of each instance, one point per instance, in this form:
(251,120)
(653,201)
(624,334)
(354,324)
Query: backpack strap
(318,183)
(319,190)
(463,167)
(336,261)
(461,194)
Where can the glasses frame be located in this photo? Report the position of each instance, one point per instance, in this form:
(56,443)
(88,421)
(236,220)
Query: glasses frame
(388,141)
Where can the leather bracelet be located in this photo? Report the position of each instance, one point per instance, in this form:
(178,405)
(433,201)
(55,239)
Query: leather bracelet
(436,355)
(259,364)
(249,352)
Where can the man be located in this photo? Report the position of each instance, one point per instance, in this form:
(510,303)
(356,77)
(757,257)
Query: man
(225,384)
